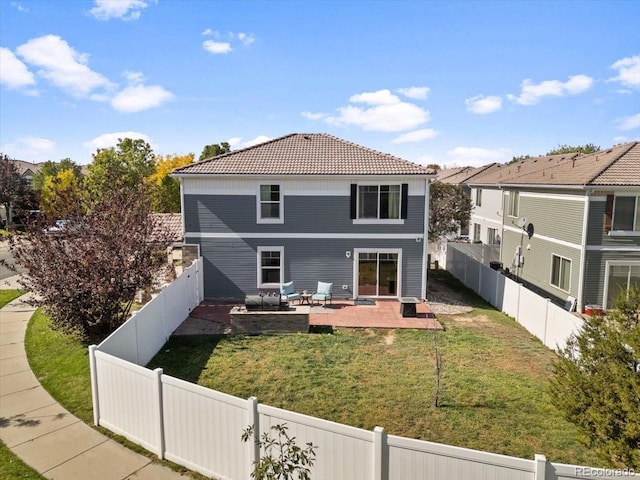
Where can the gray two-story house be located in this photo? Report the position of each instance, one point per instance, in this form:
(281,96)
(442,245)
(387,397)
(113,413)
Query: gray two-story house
(308,208)
(570,224)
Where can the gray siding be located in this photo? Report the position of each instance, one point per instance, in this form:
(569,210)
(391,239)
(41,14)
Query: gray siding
(553,217)
(596,234)
(595,272)
(537,262)
(303,214)
(230,265)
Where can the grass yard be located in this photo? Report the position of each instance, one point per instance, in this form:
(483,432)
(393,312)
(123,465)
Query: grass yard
(494,381)
(8,295)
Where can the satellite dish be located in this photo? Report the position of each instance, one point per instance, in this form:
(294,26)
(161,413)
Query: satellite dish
(521,222)
(530,230)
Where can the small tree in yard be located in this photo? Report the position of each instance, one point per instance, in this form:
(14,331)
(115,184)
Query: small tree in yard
(449,209)
(596,382)
(87,273)
(283,459)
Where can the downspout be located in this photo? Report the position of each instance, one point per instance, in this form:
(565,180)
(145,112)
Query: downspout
(425,240)
(182,213)
(502,222)
(583,251)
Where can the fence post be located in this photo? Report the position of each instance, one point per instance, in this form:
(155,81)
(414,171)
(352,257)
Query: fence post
(540,471)
(546,322)
(134,319)
(159,403)
(254,420)
(378,453)
(94,384)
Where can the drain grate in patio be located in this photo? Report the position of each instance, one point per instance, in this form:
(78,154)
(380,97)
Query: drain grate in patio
(365,301)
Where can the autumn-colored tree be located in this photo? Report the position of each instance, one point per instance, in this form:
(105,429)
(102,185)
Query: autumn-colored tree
(86,274)
(449,209)
(62,196)
(213,150)
(165,190)
(51,169)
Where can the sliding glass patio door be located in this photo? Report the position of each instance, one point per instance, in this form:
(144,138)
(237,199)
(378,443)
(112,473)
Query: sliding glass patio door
(377,273)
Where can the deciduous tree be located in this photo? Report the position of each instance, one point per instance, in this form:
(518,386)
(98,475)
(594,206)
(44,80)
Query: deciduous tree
(61,195)
(51,169)
(214,150)
(15,194)
(165,189)
(86,274)
(449,209)
(586,148)
(596,382)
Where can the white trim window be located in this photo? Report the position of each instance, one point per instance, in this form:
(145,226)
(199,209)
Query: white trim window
(477,228)
(561,272)
(479,197)
(514,203)
(492,236)
(621,276)
(380,202)
(626,213)
(270,266)
(270,204)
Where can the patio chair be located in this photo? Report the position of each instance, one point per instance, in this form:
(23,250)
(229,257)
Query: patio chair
(323,293)
(288,291)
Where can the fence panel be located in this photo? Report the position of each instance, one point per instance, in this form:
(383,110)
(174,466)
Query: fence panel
(511,297)
(203,429)
(560,325)
(122,343)
(488,283)
(532,313)
(473,275)
(456,263)
(344,453)
(128,400)
(419,459)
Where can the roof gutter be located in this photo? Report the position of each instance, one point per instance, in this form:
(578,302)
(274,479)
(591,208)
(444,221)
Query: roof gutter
(427,176)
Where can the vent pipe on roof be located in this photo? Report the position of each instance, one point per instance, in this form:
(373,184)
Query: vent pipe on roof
(573,163)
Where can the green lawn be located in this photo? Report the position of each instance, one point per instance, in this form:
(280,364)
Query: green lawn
(7,295)
(494,381)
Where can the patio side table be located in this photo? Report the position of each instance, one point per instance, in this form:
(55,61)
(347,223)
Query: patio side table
(408,306)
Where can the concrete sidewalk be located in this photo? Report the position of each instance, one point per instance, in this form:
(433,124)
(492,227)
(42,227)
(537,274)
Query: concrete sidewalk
(45,435)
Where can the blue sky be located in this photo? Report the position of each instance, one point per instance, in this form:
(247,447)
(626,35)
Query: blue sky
(455,83)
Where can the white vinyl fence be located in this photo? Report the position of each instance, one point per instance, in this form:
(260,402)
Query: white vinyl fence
(201,429)
(541,317)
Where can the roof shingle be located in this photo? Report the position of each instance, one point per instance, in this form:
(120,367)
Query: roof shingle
(305,154)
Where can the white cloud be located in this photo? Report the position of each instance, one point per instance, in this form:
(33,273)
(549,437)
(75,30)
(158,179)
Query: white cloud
(237,143)
(419,93)
(31,149)
(208,31)
(216,47)
(384,112)
(137,98)
(314,116)
(416,136)
(426,159)
(532,94)
(19,7)
(629,123)
(476,156)
(246,39)
(62,65)
(482,105)
(107,140)
(628,71)
(14,73)
(122,9)
(234,141)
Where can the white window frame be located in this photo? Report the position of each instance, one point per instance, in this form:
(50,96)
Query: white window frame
(259,218)
(477,228)
(260,250)
(513,194)
(614,263)
(636,217)
(561,257)
(366,221)
(495,236)
(479,197)
(356,255)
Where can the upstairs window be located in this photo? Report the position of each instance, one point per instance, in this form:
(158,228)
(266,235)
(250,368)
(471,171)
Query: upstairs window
(626,213)
(514,203)
(479,197)
(270,204)
(379,202)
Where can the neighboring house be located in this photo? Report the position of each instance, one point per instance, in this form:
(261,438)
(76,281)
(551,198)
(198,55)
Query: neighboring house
(27,169)
(570,224)
(308,208)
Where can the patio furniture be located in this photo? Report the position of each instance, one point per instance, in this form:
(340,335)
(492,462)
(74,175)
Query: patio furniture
(408,306)
(265,302)
(289,291)
(323,293)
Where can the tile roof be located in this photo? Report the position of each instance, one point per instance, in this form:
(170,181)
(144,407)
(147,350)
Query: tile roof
(619,165)
(167,226)
(305,154)
(23,167)
(456,176)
